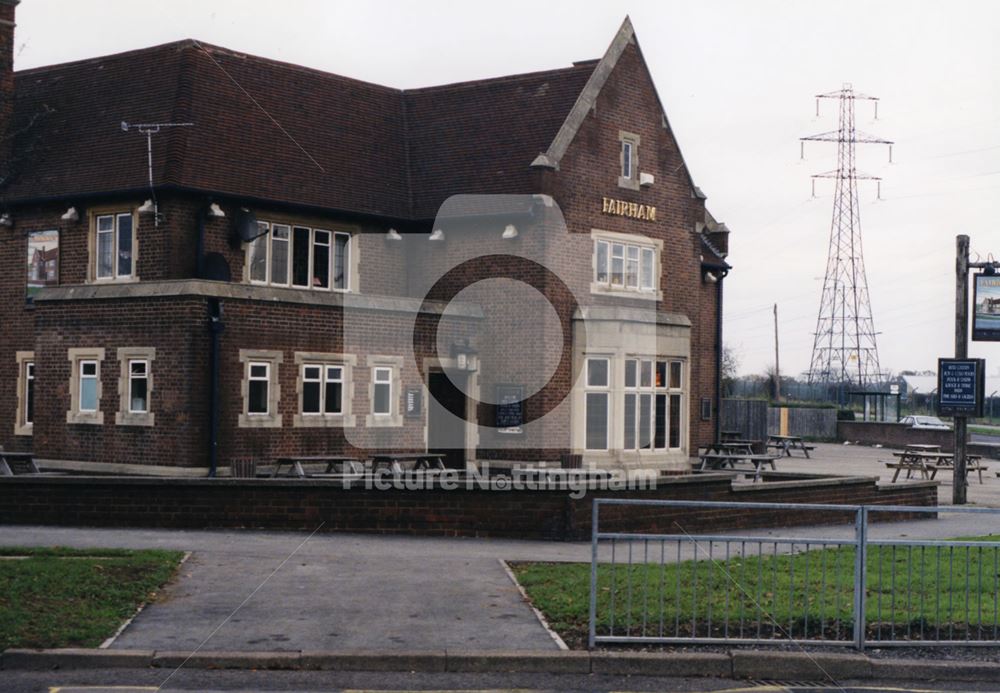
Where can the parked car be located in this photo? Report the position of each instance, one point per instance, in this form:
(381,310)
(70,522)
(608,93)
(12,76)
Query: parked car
(925,422)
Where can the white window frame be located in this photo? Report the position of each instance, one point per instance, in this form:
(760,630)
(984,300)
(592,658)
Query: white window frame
(77,357)
(394,365)
(94,264)
(126,416)
(132,378)
(604,389)
(268,241)
(678,391)
(385,381)
(638,390)
(628,176)
(272,360)
(325,361)
(620,246)
(23,425)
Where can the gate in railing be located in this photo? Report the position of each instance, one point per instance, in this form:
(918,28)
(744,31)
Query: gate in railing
(834,587)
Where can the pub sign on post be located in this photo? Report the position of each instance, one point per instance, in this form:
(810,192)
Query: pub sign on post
(961,385)
(986,305)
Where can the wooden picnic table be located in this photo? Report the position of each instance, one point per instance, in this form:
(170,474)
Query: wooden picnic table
(732,446)
(788,443)
(928,463)
(404,461)
(295,469)
(720,460)
(922,447)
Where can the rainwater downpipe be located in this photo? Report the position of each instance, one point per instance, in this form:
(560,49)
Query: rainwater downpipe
(215,326)
(718,357)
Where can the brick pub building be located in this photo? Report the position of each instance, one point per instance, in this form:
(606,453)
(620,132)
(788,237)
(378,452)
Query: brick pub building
(301,278)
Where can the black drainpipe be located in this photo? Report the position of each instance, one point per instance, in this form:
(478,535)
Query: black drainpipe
(718,358)
(200,250)
(215,326)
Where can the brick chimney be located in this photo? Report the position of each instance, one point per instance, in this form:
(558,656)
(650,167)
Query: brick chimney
(6,71)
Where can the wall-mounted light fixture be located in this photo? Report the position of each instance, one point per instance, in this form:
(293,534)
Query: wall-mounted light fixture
(147,207)
(70,215)
(5,220)
(436,235)
(510,231)
(214,210)
(466,357)
(393,235)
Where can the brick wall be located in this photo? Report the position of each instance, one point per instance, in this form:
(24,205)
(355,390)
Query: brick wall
(892,435)
(303,505)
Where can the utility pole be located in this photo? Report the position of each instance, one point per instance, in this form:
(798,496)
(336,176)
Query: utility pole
(777,368)
(959,481)
(844,348)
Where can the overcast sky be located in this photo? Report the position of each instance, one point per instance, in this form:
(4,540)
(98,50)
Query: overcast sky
(737,79)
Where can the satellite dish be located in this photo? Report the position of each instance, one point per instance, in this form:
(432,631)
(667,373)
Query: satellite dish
(247,228)
(216,268)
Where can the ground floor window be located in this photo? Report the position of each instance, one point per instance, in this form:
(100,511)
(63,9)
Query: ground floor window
(597,400)
(384,389)
(634,404)
(25,414)
(324,389)
(135,386)
(85,386)
(261,389)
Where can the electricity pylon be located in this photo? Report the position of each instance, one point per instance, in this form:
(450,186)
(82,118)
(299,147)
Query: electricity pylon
(844,349)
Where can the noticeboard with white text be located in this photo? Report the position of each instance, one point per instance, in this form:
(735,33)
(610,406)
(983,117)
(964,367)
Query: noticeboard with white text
(961,385)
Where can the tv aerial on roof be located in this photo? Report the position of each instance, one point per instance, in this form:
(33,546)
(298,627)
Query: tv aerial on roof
(150,129)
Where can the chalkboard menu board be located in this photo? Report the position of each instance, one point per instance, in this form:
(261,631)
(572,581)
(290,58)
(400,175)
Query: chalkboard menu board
(510,409)
(961,386)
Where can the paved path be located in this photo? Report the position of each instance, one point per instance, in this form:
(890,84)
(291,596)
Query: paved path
(336,591)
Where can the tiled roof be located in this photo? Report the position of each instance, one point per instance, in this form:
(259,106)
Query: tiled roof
(273,131)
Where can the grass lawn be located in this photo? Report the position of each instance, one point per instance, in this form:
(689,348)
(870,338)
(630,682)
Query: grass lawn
(59,597)
(910,592)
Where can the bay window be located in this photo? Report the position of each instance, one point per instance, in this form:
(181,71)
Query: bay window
(597,398)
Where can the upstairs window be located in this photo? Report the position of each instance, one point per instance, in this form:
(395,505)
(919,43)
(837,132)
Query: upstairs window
(628,160)
(300,257)
(113,247)
(624,264)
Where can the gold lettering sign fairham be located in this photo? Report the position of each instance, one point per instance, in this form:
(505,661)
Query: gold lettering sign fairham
(633,210)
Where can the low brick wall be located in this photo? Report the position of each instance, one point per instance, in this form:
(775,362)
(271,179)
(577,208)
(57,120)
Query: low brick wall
(892,435)
(536,514)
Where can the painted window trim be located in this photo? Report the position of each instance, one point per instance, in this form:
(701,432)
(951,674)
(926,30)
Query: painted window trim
(345,419)
(606,288)
(273,418)
(124,416)
(607,389)
(23,427)
(114,212)
(351,265)
(630,182)
(394,419)
(74,415)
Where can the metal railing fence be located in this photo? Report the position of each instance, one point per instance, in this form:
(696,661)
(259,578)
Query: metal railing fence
(824,589)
